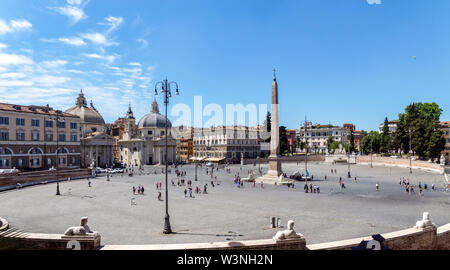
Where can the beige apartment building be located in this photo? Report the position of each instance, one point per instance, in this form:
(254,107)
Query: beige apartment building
(33,137)
(445,126)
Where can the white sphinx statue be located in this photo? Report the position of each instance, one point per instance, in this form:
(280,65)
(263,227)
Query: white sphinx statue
(287,234)
(425,222)
(82,230)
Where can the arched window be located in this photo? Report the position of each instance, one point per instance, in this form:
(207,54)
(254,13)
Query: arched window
(6,151)
(63,150)
(35,151)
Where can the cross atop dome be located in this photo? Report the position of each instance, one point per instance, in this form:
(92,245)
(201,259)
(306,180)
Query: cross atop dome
(81,100)
(130,112)
(155,108)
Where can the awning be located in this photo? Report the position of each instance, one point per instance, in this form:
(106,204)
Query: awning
(215,159)
(197,158)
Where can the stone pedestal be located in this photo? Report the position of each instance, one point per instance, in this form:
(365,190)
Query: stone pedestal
(274,172)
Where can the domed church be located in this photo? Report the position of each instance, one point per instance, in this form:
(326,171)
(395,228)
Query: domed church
(96,145)
(144,144)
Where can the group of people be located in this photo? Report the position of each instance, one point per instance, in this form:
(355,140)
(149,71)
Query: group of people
(311,188)
(410,188)
(139,189)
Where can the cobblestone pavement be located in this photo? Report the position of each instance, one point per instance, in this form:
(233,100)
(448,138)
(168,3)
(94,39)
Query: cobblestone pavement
(230,213)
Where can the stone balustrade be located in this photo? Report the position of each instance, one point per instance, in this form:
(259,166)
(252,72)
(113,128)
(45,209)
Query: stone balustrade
(416,238)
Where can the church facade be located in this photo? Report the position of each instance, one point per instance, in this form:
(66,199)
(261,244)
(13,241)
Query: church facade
(96,144)
(144,143)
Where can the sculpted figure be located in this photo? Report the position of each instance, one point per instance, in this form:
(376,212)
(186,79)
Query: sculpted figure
(81,230)
(425,222)
(287,234)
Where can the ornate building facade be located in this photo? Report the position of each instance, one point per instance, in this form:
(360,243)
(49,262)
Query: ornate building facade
(144,144)
(96,144)
(36,137)
(228,143)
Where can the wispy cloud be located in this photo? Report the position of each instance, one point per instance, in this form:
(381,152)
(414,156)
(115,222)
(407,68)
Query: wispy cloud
(74,41)
(108,58)
(374,2)
(143,42)
(14,59)
(14,25)
(112,22)
(99,39)
(73,10)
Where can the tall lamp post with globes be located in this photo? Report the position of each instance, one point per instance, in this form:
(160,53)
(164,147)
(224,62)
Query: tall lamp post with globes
(165,89)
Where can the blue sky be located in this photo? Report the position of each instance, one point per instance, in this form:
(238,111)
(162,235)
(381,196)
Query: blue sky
(337,60)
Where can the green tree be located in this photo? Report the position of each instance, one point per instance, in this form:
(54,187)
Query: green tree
(352,141)
(418,128)
(371,143)
(267,127)
(283,140)
(330,142)
(385,137)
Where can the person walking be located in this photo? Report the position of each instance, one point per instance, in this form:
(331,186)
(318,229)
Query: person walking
(377,187)
(134,190)
(142,190)
(159,196)
(185,192)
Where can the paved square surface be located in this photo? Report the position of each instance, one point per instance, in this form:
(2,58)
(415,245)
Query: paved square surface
(231,213)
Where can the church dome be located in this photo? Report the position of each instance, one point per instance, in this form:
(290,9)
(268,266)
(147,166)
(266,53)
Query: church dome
(87,114)
(154,119)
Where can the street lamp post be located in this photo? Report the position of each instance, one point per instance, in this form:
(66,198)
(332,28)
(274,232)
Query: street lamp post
(165,89)
(410,152)
(57,152)
(196,165)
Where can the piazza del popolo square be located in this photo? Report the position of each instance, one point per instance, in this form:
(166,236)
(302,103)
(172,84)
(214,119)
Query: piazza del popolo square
(305,161)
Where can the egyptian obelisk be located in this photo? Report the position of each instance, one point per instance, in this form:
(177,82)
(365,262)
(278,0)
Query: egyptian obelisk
(274,172)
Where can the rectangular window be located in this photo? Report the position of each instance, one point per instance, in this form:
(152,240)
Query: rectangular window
(62,160)
(20,136)
(35,136)
(73,125)
(73,138)
(4,163)
(4,136)
(62,137)
(49,137)
(20,163)
(62,124)
(34,122)
(4,120)
(35,162)
(48,123)
(20,122)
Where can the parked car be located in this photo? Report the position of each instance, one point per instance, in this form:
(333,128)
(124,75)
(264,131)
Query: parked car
(209,164)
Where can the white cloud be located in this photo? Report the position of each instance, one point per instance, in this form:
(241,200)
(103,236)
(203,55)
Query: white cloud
(50,81)
(372,2)
(14,83)
(109,58)
(136,64)
(14,59)
(99,39)
(74,13)
(14,25)
(143,42)
(73,10)
(74,2)
(13,75)
(75,41)
(3,46)
(54,64)
(21,24)
(112,22)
